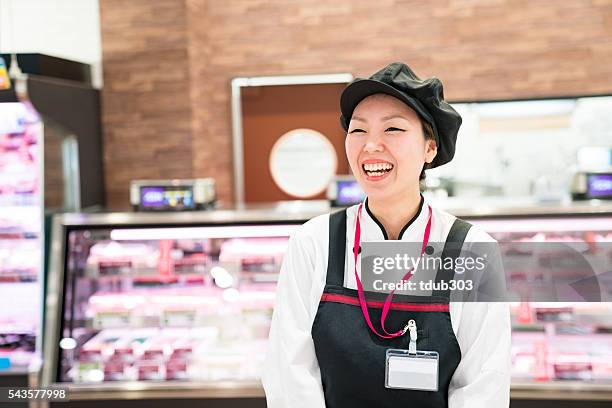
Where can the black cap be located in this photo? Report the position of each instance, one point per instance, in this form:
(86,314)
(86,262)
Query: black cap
(426,97)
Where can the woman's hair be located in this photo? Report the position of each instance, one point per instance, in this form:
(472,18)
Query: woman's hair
(428,133)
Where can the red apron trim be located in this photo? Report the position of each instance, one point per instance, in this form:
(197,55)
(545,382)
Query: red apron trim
(413,307)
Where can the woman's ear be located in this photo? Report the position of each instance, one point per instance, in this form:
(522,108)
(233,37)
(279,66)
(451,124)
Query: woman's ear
(431,149)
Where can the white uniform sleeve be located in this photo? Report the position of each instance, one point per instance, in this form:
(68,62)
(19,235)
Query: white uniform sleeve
(482,379)
(291,376)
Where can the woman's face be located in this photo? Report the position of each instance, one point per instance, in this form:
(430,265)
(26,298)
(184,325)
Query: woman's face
(386,148)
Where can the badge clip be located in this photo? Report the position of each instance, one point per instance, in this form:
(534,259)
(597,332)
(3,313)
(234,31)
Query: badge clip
(412,329)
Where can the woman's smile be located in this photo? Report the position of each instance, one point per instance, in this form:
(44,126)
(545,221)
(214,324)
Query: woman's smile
(376,169)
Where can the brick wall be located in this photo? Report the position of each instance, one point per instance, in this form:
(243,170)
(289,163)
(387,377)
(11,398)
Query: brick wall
(168,63)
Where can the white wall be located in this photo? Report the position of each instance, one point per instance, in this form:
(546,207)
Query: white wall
(63,28)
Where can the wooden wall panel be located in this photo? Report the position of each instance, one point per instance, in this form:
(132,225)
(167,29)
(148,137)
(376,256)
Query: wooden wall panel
(146,109)
(481,49)
(271,111)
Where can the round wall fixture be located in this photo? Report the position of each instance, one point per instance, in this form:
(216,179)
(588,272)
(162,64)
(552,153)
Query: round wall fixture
(303,163)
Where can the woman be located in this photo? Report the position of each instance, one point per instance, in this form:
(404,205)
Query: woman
(328,345)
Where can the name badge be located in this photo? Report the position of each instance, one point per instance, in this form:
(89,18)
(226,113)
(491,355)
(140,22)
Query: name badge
(412,371)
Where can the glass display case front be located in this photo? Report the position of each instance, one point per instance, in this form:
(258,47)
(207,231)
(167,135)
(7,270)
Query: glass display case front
(188,298)
(173,303)
(559,340)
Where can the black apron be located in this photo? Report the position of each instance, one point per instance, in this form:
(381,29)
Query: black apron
(352,358)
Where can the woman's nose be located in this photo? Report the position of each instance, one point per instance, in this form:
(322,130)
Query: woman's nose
(373,143)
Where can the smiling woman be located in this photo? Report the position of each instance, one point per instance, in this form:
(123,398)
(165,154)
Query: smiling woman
(329,344)
(387,153)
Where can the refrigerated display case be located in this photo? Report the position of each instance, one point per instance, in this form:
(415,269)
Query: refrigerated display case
(20,235)
(61,93)
(179,305)
(153,299)
(560,350)
(49,123)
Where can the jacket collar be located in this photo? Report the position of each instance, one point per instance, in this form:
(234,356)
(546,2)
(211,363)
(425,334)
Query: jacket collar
(373,230)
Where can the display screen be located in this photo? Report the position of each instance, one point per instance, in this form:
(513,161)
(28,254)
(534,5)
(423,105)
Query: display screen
(166,197)
(600,185)
(349,192)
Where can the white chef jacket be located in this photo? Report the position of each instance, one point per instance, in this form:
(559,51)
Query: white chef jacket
(291,376)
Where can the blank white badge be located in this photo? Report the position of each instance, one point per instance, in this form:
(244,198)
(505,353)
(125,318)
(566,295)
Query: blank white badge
(412,371)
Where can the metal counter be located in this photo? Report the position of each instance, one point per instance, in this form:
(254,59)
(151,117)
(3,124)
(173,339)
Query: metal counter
(299,211)
(167,390)
(561,390)
(520,207)
(554,390)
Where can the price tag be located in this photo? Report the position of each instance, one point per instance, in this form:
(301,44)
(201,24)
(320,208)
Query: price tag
(106,320)
(179,318)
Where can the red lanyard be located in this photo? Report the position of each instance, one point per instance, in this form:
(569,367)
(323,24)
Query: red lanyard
(388,300)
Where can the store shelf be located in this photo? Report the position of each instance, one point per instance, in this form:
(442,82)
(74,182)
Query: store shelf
(27,200)
(14,371)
